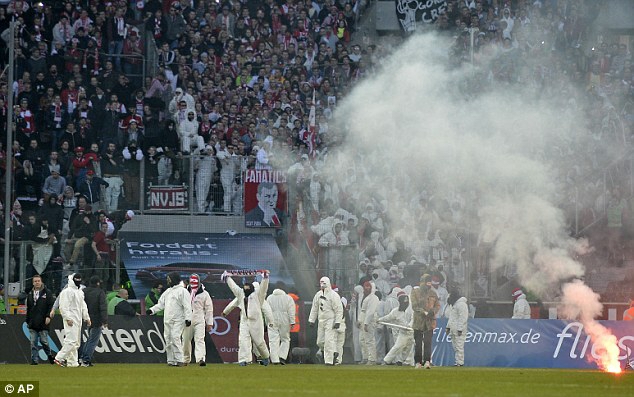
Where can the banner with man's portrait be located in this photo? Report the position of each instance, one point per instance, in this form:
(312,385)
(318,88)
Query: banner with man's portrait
(265,198)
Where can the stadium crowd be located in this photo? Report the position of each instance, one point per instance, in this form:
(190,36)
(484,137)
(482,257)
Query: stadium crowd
(232,88)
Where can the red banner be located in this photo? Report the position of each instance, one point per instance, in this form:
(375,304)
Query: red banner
(265,195)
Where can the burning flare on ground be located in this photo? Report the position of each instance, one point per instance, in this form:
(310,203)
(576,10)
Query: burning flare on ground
(580,302)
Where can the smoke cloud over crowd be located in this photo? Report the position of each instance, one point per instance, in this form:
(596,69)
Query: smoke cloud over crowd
(493,156)
(415,133)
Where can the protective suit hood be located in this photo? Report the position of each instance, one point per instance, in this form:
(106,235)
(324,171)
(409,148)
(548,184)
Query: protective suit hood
(324,284)
(74,280)
(248,289)
(403,302)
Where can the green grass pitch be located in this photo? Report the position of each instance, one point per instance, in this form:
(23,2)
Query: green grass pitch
(159,380)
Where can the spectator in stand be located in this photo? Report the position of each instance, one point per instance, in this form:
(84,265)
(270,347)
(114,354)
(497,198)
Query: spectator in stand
(227,176)
(90,188)
(133,49)
(81,165)
(95,158)
(100,259)
(81,229)
(116,31)
(54,184)
(120,218)
(63,32)
(175,26)
(205,167)
(54,163)
(132,157)
(57,119)
(112,171)
(53,212)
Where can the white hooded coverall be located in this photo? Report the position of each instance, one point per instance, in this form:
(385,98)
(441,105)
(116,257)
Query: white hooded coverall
(72,306)
(521,308)
(188,132)
(203,314)
(251,320)
(328,310)
(404,340)
(340,333)
(227,177)
(177,306)
(283,308)
(206,166)
(367,322)
(457,325)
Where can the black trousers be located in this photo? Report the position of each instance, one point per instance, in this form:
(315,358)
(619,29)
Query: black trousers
(422,345)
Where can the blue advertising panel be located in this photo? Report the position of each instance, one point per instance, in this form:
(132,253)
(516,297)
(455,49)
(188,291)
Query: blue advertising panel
(149,256)
(530,343)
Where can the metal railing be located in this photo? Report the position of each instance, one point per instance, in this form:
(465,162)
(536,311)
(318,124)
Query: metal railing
(177,192)
(21,268)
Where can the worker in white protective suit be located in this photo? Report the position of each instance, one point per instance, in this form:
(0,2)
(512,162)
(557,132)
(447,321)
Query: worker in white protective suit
(74,311)
(269,321)
(367,323)
(328,311)
(355,311)
(251,331)
(202,321)
(228,162)
(341,331)
(521,308)
(457,324)
(191,142)
(205,167)
(177,306)
(404,344)
(283,309)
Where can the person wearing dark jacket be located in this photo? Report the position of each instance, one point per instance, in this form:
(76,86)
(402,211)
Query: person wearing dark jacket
(82,228)
(39,303)
(120,305)
(91,189)
(54,212)
(97,310)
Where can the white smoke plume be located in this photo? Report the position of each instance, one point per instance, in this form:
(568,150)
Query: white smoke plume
(412,133)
